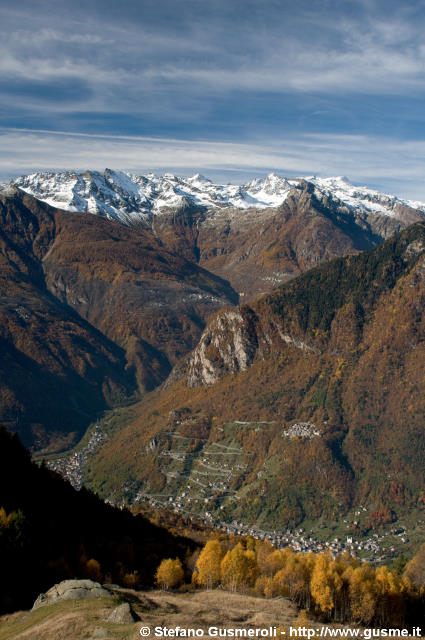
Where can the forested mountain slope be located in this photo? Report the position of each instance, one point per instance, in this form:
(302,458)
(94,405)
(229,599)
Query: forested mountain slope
(309,403)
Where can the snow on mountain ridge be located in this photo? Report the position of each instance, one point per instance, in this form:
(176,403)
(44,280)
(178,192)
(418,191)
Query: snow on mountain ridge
(130,197)
(362,197)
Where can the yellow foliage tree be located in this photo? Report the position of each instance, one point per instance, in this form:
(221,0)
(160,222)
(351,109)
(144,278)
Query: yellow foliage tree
(264,549)
(415,571)
(277,560)
(390,601)
(239,568)
(93,570)
(208,573)
(4,521)
(321,585)
(131,580)
(362,593)
(293,581)
(302,620)
(169,574)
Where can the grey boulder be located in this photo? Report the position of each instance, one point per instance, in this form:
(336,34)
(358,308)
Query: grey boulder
(123,614)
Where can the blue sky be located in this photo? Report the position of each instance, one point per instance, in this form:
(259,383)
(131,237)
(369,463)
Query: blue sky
(231,88)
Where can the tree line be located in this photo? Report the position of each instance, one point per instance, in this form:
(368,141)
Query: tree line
(341,589)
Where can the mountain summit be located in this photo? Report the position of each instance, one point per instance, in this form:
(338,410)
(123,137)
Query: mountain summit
(129,197)
(256,236)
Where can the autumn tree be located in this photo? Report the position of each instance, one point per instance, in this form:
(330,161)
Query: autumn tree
(293,580)
(264,549)
(131,580)
(4,518)
(93,570)
(276,561)
(169,574)
(390,601)
(362,593)
(302,620)
(208,571)
(415,570)
(239,568)
(321,585)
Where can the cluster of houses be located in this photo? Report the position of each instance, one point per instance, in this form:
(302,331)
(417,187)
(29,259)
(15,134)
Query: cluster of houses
(208,490)
(72,466)
(374,548)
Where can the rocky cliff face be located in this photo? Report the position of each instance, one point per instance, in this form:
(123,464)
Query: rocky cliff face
(228,345)
(323,310)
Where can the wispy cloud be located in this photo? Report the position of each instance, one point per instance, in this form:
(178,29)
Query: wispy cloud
(292,51)
(220,71)
(382,162)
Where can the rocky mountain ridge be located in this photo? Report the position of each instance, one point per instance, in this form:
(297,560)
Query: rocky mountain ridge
(129,197)
(255,236)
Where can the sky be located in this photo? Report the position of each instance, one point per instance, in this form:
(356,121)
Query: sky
(233,89)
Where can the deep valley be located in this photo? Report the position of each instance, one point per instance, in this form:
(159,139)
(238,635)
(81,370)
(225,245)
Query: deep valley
(295,410)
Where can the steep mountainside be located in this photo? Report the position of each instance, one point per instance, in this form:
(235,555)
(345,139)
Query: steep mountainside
(256,236)
(50,532)
(89,308)
(259,250)
(56,371)
(307,404)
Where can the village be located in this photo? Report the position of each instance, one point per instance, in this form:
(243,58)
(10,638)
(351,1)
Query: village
(72,466)
(370,549)
(201,486)
(207,493)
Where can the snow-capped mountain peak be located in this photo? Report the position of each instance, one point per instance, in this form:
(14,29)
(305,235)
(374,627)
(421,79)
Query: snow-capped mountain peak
(129,197)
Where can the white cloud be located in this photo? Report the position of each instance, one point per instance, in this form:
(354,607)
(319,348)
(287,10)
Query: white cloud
(305,52)
(391,165)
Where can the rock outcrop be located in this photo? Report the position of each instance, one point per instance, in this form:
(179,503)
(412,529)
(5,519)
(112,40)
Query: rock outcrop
(72,590)
(228,345)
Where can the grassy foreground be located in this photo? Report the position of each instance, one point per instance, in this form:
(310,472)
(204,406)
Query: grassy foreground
(84,620)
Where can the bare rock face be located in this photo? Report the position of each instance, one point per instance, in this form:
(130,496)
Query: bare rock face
(228,345)
(71,590)
(233,339)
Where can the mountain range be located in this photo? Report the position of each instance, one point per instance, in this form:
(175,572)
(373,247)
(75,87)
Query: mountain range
(275,328)
(255,236)
(129,198)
